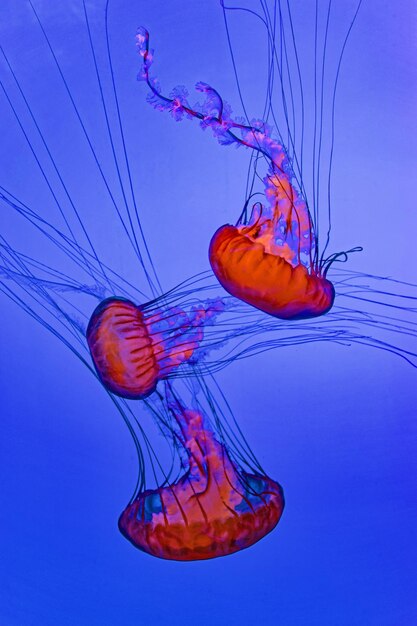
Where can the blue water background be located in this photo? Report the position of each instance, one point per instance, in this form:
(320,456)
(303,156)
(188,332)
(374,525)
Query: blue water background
(336,425)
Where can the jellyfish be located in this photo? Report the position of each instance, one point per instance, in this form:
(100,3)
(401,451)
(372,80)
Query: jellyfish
(269,259)
(133,347)
(213,509)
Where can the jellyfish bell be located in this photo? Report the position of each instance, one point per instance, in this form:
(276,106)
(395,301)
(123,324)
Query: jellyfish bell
(256,263)
(214,509)
(245,268)
(121,348)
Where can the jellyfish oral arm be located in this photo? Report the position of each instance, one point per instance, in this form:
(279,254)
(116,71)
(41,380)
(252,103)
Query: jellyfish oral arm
(290,210)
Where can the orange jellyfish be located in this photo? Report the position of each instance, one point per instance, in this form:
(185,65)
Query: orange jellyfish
(270,261)
(133,347)
(215,508)
(257,263)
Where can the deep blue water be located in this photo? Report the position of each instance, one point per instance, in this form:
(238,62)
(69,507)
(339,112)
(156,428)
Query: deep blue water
(335,425)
